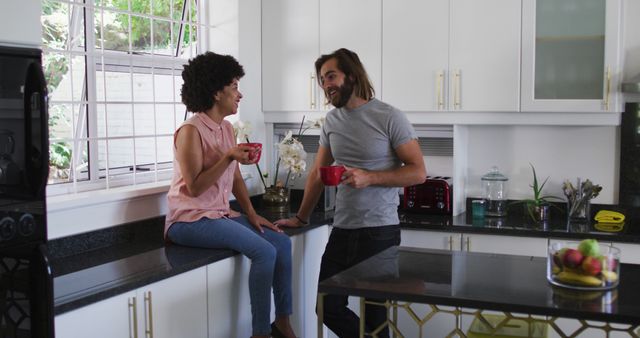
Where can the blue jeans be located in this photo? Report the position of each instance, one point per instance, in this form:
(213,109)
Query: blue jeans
(345,249)
(269,252)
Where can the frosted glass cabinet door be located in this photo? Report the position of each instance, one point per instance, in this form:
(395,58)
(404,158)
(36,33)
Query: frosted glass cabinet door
(570,55)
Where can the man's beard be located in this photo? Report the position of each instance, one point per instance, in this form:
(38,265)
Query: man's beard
(343,95)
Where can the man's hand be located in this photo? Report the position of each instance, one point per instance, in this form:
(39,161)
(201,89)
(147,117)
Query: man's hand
(357,178)
(292,222)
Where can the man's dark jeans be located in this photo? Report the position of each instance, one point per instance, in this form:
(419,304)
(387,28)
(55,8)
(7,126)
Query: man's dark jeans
(345,249)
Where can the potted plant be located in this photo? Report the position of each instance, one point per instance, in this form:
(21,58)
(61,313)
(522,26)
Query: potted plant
(538,207)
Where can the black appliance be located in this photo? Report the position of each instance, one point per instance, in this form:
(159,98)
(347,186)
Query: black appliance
(630,156)
(433,196)
(26,283)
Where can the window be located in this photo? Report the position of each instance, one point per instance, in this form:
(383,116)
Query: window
(113,71)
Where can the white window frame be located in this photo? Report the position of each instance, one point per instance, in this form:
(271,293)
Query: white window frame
(134,63)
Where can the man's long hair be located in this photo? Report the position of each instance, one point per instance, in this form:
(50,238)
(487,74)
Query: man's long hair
(349,63)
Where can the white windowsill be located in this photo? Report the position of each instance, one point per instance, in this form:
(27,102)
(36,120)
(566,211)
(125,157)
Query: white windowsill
(90,198)
(72,214)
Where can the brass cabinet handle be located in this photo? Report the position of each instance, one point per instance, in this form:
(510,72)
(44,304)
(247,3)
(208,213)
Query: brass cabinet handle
(607,77)
(312,95)
(439,91)
(148,320)
(450,242)
(133,317)
(456,84)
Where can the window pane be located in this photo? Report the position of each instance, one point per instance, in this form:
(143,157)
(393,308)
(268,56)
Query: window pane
(60,125)
(140,34)
(56,66)
(164,88)
(118,86)
(143,87)
(118,118)
(162,38)
(144,119)
(165,119)
(120,155)
(165,149)
(161,8)
(112,30)
(55,24)
(181,112)
(145,152)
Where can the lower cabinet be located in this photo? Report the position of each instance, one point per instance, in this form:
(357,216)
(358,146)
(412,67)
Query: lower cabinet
(174,307)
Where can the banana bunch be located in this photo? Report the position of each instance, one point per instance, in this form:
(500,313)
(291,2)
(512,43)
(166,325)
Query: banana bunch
(573,278)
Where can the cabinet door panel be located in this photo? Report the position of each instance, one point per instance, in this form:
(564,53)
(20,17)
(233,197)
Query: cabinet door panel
(509,245)
(355,25)
(178,305)
(105,319)
(289,49)
(570,55)
(315,242)
(228,295)
(430,239)
(415,52)
(484,73)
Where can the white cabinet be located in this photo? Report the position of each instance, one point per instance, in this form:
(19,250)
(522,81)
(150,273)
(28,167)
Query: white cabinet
(451,54)
(570,55)
(315,242)
(296,33)
(289,48)
(228,298)
(20,23)
(355,25)
(430,239)
(508,245)
(113,317)
(174,307)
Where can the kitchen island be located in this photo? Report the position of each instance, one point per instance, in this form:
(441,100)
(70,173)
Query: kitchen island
(506,283)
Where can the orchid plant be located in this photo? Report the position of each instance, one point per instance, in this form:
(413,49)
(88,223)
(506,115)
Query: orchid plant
(292,155)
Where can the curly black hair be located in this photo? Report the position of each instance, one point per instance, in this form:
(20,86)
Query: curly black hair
(205,75)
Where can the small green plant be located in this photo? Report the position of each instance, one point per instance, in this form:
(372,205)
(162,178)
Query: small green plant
(538,199)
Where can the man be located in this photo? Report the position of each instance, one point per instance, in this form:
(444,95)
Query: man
(378,147)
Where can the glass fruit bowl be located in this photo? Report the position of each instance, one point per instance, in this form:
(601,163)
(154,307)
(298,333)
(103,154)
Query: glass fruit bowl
(584,265)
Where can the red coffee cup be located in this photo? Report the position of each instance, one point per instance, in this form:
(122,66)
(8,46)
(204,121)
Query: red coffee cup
(332,175)
(254,155)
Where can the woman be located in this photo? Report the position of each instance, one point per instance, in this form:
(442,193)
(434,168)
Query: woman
(206,171)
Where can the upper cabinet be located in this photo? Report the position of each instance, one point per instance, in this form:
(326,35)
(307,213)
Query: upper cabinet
(295,33)
(570,55)
(451,54)
(290,34)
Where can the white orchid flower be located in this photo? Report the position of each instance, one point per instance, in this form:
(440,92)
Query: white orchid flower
(241,130)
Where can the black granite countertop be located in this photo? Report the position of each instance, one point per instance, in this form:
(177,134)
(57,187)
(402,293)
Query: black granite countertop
(518,224)
(91,267)
(83,277)
(484,281)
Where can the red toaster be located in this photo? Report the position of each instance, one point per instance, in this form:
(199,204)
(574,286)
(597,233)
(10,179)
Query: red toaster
(433,196)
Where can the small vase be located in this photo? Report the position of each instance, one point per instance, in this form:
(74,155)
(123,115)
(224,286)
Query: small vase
(538,213)
(579,211)
(276,199)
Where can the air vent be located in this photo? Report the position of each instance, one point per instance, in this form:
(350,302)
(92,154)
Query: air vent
(432,146)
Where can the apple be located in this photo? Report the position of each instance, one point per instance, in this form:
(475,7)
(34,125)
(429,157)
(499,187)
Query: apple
(589,247)
(572,258)
(591,265)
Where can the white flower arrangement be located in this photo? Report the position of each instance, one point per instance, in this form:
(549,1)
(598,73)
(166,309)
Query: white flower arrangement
(292,155)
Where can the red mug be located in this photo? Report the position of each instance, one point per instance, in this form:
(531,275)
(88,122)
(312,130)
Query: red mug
(332,175)
(254,155)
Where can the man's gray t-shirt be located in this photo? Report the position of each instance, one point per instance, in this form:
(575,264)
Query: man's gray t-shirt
(366,138)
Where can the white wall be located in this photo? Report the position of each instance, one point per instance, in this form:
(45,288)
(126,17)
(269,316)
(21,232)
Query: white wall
(20,23)
(558,152)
